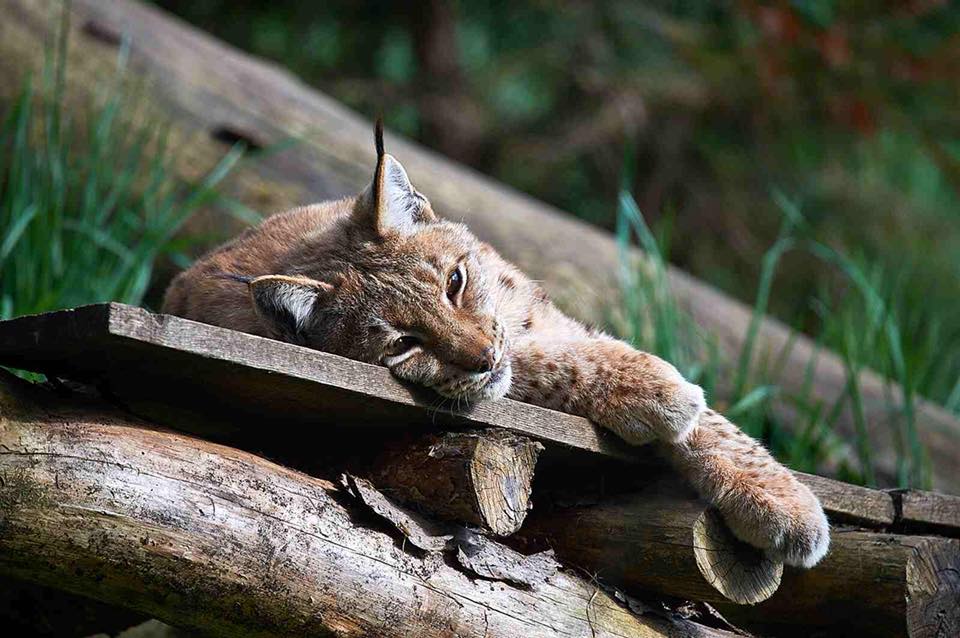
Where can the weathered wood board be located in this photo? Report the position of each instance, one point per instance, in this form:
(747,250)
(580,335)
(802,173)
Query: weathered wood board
(181,372)
(919,511)
(211,381)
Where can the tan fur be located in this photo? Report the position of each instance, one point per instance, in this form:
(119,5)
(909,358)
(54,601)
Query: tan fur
(377,267)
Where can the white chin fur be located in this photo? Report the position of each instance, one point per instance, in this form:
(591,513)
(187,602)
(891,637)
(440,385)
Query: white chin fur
(499,388)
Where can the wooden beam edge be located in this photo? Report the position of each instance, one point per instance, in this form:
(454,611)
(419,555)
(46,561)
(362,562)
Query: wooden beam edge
(87,326)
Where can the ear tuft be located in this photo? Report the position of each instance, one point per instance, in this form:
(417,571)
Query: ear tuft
(287,303)
(378,137)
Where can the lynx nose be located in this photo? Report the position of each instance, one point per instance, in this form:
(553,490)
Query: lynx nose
(486,360)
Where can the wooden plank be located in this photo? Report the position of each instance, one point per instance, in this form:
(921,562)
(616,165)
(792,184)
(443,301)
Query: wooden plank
(202,87)
(852,504)
(921,511)
(206,373)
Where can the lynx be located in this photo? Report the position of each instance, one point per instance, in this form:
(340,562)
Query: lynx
(379,277)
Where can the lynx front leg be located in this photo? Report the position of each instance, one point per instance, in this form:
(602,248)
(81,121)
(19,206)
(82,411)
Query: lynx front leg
(761,501)
(637,395)
(643,398)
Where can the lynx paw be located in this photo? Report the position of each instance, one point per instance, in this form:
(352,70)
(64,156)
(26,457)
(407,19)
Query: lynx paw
(671,417)
(781,517)
(681,415)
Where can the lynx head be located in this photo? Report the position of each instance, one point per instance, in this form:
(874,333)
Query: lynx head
(399,287)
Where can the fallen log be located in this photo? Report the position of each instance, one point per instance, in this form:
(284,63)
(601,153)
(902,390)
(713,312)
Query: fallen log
(206,537)
(211,92)
(870,583)
(660,539)
(478,478)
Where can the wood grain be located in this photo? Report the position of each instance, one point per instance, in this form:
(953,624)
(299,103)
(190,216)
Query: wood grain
(222,384)
(479,478)
(221,541)
(204,87)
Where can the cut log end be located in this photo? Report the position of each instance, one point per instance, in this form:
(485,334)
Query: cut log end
(737,570)
(933,589)
(502,468)
(480,478)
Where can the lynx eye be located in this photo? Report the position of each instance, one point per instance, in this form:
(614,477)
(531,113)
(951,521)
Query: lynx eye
(455,283)
(401,345)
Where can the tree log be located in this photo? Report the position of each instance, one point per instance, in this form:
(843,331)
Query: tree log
(870,583)
(211,92)
(206,537)
(660,539)
(479,478)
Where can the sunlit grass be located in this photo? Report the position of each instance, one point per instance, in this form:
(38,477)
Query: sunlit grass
(86,207)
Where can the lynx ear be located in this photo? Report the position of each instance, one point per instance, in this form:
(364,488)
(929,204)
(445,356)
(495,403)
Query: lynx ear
(287,303)
(397,206)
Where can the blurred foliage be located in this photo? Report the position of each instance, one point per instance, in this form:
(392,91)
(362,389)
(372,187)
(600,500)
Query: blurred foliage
(86,207)
(853,109)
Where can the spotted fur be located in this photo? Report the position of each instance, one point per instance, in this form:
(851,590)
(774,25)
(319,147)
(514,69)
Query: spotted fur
(368,276)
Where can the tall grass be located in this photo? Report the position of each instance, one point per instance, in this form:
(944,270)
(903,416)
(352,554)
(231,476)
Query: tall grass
(864,329)
(86,207)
